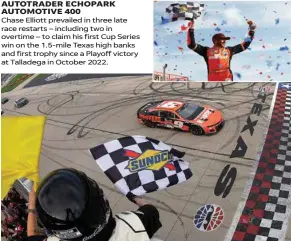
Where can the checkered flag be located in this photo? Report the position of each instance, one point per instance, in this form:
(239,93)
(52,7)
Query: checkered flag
(139,164)
(185,11)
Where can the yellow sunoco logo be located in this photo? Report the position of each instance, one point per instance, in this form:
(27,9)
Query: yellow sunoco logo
(149,160)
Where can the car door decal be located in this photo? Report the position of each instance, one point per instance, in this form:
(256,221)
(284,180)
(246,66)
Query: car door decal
(178,124)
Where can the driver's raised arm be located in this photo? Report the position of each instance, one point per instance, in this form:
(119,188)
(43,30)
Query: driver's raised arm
(247,41)
(199,49)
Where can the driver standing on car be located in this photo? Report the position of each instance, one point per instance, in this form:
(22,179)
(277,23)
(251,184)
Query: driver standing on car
(72,206)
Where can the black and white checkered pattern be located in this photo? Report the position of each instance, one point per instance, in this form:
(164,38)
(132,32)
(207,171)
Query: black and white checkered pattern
(280,192)
(267,209)
(111,159)
(186,11)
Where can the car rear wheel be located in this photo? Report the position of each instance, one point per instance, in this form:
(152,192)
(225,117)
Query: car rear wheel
(150,124)
(197,130)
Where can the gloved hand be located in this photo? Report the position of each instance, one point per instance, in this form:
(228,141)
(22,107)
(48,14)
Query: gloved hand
(131,197)
(136,200)
(252,25)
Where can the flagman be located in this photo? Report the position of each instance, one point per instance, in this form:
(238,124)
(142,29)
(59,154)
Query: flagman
(71,206)
(218,57)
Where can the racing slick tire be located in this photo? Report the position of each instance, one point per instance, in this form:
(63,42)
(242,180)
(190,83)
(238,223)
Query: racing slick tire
(197,130)
(150,124)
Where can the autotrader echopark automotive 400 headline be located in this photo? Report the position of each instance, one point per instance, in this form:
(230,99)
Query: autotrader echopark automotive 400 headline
(50,7)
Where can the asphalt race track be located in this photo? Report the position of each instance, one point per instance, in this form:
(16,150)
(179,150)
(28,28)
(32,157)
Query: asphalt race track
(84,113)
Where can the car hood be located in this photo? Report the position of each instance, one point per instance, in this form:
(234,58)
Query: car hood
(208,117)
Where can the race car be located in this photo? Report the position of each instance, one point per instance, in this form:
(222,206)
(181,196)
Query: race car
(20,102)
(4,100)
(185,116)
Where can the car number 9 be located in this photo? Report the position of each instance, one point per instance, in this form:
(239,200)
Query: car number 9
(178,124)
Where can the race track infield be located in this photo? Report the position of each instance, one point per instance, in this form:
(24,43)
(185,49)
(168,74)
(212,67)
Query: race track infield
(83,114)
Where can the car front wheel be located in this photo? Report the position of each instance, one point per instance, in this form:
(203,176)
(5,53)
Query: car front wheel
(150,124)
(197,130)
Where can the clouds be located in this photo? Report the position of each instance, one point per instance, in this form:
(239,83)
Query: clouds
(230,17)
(234,17)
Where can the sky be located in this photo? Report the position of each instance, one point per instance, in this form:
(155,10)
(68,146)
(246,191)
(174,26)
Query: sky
(262,62)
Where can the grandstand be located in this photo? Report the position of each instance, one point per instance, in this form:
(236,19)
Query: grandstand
(166,77)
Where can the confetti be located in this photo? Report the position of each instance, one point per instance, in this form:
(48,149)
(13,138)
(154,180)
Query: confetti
(183,27)
(165,21)
(269,63)
(285,48)
(170,43)
(238,75)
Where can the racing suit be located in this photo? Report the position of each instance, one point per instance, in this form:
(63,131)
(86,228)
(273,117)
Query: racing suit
(218,59)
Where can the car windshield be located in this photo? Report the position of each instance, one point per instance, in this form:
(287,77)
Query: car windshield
(189,111)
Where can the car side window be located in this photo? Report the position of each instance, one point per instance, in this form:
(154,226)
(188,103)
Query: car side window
(154,113)
(173,116)
(163,114)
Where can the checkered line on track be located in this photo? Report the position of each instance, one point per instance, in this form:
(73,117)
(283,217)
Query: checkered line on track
(265,211)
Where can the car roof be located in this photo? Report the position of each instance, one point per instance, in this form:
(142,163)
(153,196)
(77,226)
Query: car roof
(169,105)
(20,99)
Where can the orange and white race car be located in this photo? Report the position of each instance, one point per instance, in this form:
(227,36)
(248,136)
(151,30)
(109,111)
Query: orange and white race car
(199,120)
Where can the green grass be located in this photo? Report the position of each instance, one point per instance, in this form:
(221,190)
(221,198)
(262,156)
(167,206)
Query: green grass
(17,80)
